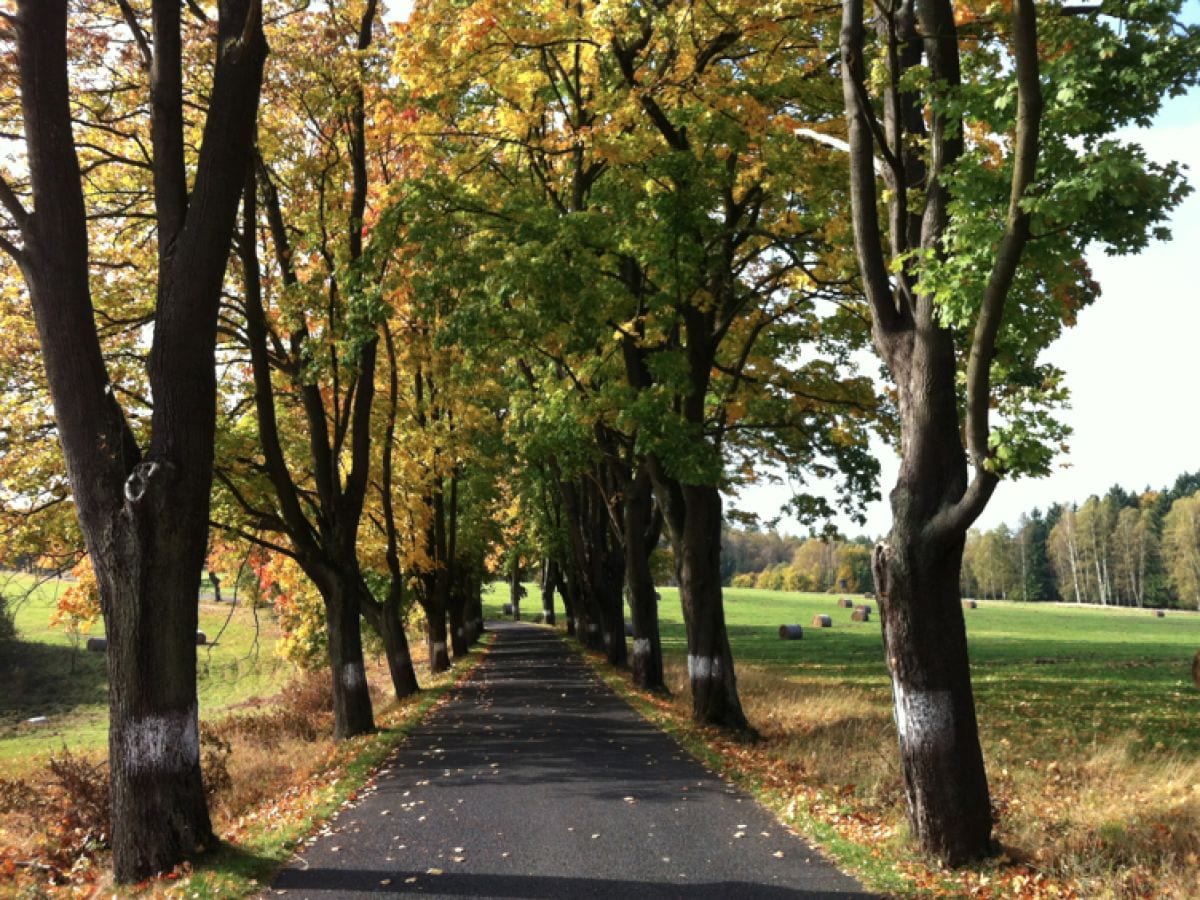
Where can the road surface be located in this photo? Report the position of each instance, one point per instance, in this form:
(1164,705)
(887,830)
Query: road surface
(536,780)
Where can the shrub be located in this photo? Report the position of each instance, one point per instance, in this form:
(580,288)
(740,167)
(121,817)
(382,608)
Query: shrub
(214,760)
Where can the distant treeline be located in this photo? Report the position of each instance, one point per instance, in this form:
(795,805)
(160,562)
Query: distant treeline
(1120,549)
(764,559)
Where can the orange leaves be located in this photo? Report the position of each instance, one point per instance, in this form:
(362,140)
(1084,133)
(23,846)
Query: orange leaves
(78,606)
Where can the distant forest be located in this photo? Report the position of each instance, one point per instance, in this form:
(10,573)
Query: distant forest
(1121,549)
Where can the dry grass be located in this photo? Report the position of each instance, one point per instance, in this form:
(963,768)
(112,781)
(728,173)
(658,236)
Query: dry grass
(1098,820)
(263,765)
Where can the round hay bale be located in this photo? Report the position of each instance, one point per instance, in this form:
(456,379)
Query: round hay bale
(1196,669)
(201,638)
(506,609)
(860,614)
(970,604)
(1160,613)
(822,622)
(865,607)
(846,603)
(628,629)
(97,645)
(790,632)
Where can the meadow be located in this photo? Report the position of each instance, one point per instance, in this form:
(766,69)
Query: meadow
(1089,721)
(49,673)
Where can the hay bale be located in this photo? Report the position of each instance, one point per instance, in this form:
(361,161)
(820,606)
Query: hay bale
(822,622)
(1160,613)
(506,609)
(1196,669)
(970,604)
(201,638)
(861,614)
(846,603)
(790,632)
(97,645)
(865,607)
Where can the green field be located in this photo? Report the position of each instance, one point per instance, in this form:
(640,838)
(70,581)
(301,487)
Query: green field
(1056,672)
(45,674)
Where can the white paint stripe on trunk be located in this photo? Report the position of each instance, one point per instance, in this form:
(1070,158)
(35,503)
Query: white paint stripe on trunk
(353,676)
(704,668)
(439,648)
(163,743)
(641,647)
(923,717)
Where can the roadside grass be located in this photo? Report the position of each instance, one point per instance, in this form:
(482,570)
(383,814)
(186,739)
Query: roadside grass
(274,772)
(323,777)
(48,672)
(1089,723)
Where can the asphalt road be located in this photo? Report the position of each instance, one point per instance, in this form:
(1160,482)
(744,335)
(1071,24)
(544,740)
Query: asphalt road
(536,780)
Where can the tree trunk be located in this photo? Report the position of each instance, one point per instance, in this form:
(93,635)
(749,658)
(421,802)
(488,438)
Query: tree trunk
(460,639)
(693,516)
(643,598)
(149,583)
(385,619)
(550,577)
(516,590)
(352,712)
(925,636)
(439,653)
(925,644)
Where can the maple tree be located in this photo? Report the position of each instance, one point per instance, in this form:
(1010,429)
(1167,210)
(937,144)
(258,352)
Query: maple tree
(991,129)
(612,171)
(310,320)
(142,506)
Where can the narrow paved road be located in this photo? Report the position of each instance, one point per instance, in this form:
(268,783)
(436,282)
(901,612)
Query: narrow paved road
(536,780)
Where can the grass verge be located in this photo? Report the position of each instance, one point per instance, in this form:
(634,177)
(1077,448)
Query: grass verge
(258,844)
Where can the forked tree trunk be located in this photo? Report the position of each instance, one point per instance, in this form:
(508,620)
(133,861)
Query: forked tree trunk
(145,520)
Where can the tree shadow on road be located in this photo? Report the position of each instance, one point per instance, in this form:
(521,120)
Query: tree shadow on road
(452,884)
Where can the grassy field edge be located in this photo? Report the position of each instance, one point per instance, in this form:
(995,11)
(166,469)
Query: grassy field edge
(245,866)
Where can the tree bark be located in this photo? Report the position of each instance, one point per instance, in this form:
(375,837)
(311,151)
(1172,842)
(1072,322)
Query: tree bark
(641,536)
(352,712)
(385,618)
(550,583)
(436,639)
(144,520)
(693,517)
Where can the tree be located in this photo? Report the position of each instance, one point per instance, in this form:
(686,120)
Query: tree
(311,320)
(143,508)
(1181,547)
(992,193)
(1036,578)
(658,281)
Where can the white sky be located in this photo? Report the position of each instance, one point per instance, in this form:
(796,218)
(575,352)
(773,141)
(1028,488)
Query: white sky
(1132,362)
